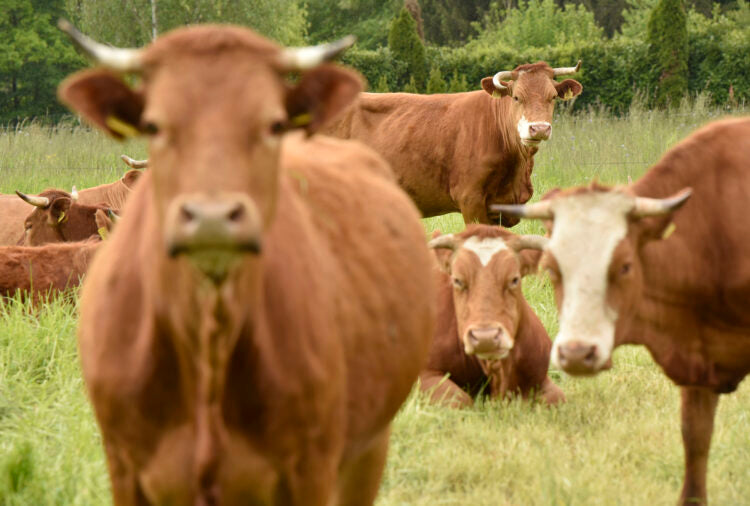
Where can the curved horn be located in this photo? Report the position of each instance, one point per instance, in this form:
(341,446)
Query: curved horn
(74,193)
(503,74)
(135,164)
(113,216)
(34,200)
(539,211)
(531,241)
(447,241)
(123,60)
(564,71)
(303,58)
(654,207)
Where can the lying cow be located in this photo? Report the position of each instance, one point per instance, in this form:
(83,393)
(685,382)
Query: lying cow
(628,268)
(463,151)
(486,334)
(13,211)
(264,305)
(58,217)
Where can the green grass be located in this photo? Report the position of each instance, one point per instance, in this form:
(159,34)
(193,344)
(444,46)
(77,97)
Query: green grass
(616,440)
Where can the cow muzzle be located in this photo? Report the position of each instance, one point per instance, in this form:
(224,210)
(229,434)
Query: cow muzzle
(213,231)
(536,132)
(487,342)
(579,358)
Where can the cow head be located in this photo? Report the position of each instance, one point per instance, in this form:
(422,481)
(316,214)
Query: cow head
(593,260)
(58,217)
(485,266)
(533,91)
(215,103)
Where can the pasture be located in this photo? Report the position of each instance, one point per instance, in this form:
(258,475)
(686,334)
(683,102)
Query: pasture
(616,440)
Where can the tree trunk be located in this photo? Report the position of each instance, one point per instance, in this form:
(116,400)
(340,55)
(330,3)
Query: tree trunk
(154,31)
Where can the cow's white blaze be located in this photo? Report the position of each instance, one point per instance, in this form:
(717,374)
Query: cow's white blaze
(587,229)
(485,248)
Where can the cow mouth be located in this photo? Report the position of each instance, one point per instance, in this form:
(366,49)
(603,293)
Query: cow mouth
(497,355)
(215,262)
(531,142)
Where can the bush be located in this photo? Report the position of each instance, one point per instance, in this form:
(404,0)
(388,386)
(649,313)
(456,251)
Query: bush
(668,48)
(405,45)
(436,83)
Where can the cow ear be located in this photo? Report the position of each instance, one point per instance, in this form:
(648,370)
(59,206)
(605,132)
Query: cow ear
(104,100)
(130,177)
(529,259)
(58,211)
(320,95)
(488,86)
(568,89)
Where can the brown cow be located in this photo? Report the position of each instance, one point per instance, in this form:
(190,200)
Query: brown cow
(485,328)
(628,269)
(44,270)
(264,306)
(58,217)
(13,211)
(463,151)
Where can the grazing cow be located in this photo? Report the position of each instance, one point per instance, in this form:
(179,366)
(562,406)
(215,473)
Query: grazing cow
(58,217)
(463,151)
(44,270)
(264,305)
(627,268)
(13,211)
(485,328)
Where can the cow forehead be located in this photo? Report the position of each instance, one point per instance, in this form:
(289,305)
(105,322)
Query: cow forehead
(587,228)
(484,248)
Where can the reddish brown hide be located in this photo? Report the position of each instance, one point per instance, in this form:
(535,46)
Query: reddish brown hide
(679,280)
(13,211)
(63,219)
(482,312)
(461,151)
(258,360)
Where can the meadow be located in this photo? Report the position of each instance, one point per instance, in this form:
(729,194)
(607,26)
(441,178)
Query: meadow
(615,441)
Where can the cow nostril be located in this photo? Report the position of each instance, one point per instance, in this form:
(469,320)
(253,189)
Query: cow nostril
(237,213)
(186,214)
(590,357)
(473,339)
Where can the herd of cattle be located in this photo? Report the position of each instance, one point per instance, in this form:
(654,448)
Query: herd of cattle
(266,297)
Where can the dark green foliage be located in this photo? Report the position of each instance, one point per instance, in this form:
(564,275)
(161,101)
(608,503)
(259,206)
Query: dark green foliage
(367,19)
(411,86)
(405,45)
(382,85)
(668,48)
(458,84)
(436,83)
(34,58)
(449,22)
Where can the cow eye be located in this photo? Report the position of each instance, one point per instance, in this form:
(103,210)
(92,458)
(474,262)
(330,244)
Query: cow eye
(515,98)
(150,128)
(625,268)
(278,127)
(459,284)
(514,282)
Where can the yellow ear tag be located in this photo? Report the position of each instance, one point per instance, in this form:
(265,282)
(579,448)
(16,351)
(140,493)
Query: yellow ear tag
(301,119)
(496,94)
(117,125)
(669,230)
(568,95)
(103,233)
(61,218)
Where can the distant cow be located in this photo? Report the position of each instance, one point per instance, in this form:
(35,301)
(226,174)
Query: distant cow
(463,151)
(13,211)
(264,305)
(486,331)
(58,216)
(44,270)
(627,268)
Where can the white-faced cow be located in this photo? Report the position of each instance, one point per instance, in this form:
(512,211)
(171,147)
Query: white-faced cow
(265,304)
(463,151)
(486,333)
(629,268)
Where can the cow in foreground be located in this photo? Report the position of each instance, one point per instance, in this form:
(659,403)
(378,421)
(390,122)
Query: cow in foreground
(463,151)
(629,268)
(264,305)
(486,333)
(13,211)
(58,216)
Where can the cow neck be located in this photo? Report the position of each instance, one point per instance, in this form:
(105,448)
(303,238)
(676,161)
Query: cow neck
(113,194)
(504,129)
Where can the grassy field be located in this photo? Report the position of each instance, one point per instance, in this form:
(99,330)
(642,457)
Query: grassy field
(616,440)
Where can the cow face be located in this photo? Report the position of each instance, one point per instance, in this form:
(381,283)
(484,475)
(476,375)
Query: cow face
(593,261)
(215,105)
(57,217)
(532,92)
(486,271)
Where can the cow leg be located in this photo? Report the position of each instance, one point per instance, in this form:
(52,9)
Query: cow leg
(442,390)
(551,393)
(360,481)
(125,487)
(698,409)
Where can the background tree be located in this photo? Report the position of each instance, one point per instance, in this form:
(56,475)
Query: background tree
(668,46)
(405,45)
(449,22)
(436,83)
